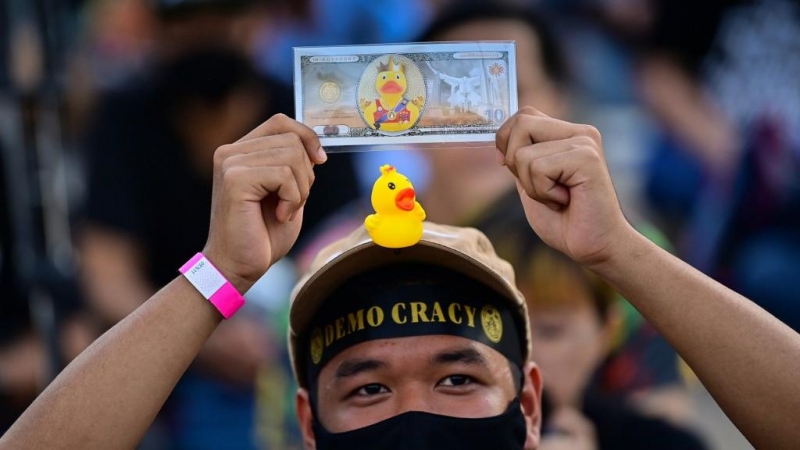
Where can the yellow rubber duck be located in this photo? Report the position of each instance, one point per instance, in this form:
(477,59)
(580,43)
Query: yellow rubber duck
(391,112)
(398,217)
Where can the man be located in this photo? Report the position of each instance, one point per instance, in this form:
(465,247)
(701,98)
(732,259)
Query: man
(109,395)
(440,327)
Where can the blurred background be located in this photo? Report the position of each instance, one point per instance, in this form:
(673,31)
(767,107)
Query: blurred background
(110,111)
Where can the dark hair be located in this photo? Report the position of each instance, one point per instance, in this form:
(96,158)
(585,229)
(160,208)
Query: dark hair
(546,277)
(179,9)
(205,74)
(462,12)
(549,278)
(168,10)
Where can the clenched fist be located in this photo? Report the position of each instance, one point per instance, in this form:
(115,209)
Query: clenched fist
(564,184)
(261,184)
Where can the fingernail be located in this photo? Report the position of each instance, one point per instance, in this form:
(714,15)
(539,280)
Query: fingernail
(322,155)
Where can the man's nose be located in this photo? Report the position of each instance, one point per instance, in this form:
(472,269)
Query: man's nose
(415,397)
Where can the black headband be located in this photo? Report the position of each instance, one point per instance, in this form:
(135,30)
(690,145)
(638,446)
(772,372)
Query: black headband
(410,300)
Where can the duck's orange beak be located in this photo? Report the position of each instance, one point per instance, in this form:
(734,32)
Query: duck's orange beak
(405,199)
(392,87)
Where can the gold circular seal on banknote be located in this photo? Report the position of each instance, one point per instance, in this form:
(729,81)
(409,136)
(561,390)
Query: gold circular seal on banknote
(330,92)
(391,94)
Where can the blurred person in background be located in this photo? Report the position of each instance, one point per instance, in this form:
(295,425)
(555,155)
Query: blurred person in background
(347,22)
(22,358)
(149,157)
(113,45)
(341,22)
(467,188)
(721,77)
(22,353)
(42,324)
(574,317)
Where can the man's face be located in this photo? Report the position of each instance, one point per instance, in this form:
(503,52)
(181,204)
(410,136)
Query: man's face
(446,375)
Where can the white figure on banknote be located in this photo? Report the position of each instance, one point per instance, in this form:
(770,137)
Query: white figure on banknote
(462,90)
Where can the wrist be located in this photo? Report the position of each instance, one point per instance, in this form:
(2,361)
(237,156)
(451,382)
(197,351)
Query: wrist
(226,268)
(624,250)
(213,285)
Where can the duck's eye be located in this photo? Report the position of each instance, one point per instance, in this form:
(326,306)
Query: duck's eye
(398,76)
(384,76)
(392,186)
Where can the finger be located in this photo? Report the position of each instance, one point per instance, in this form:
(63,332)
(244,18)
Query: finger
(540,188)
(293,157)
(259,144)
(281,124)
(554,175)
(257,183)
(537,129)
(542,128)
(501,138)
(557,207)
(533,181)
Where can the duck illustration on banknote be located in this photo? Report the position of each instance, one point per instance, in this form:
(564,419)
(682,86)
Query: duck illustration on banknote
(392,111)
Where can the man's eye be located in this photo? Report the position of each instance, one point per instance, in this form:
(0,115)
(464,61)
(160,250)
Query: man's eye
(456,380)
(371,389)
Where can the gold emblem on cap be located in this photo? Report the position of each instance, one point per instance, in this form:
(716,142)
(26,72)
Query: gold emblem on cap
(492,323)
(317,345)
(330,92)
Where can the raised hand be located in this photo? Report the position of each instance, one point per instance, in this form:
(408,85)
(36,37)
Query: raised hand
(564,184)
(261,184)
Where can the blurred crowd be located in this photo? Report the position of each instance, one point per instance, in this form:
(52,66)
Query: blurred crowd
(110,111)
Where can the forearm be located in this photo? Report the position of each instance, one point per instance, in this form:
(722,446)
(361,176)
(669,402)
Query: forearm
(113,299)
(110,394)
(745,357)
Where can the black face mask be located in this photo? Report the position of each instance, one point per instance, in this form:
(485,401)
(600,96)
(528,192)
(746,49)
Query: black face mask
(420,430)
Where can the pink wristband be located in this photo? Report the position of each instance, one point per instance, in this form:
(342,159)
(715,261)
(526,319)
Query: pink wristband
(212,285)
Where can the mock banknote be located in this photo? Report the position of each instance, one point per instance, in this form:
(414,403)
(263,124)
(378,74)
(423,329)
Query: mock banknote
(405,94)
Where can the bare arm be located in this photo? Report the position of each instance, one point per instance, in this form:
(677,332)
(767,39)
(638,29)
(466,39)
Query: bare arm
(110,394)
(747,358)
(115,284)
